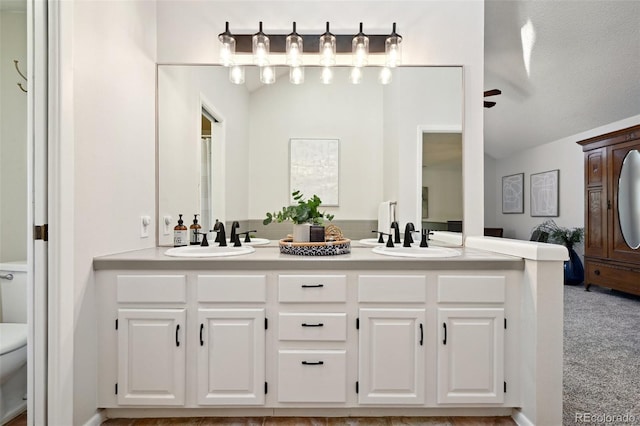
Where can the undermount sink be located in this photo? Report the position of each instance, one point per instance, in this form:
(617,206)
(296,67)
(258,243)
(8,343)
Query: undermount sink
(210,251)
(417,251)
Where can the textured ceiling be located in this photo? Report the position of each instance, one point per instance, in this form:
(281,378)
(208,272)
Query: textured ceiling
(584,70)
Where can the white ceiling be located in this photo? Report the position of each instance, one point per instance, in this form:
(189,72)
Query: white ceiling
(584,70)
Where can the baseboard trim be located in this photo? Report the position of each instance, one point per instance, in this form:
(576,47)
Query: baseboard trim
(521,419)
(97,419)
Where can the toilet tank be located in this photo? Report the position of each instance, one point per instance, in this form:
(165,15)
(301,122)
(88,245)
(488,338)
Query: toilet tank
(13,292)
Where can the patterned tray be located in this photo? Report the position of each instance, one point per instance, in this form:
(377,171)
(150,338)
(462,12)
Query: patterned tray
(330,248)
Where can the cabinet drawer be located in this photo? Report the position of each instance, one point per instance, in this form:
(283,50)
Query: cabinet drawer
(392,288)
(320,327)
(312,376)
(232,288)
(151,288)
(312,288)
(618,277)
(471,289)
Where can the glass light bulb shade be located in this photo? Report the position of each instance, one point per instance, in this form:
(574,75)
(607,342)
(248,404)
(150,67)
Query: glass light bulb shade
(296,75)
(260,49)
(326,76)
(356,75)
(327,50)
(267,75)
(385,76)
(236,74)
(227,50)
(393,51)
(360,49)
(294,50)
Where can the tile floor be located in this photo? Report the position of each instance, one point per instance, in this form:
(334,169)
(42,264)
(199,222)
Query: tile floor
(317,421)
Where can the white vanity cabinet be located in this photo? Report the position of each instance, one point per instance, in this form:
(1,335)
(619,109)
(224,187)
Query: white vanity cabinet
(312,339)
(392,321)
(151,341)
(471,322)
(231,339)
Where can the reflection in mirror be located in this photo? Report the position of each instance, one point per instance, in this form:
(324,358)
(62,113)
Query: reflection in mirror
(629,199)
(379,128)
(442,181)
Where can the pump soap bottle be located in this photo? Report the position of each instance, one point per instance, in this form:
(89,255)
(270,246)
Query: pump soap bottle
(180,234)
(194,231)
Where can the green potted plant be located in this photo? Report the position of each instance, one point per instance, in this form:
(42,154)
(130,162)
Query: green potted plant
(568,237)
(303,214)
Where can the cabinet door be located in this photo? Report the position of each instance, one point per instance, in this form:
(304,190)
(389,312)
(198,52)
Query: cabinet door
(151,356)
(231,356)
(392,356)
(471,355)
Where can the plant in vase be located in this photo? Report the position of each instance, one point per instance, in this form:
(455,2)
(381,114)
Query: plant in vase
(568,237)
(303,214)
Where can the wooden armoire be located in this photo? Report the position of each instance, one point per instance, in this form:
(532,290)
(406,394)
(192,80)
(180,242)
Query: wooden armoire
(609,260)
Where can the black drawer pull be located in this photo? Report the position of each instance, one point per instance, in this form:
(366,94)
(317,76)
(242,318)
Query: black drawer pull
(304,324)
(312,285)
(444,325)
(201,330)
(312,363)
(421,335)
(177,331)
(597,272)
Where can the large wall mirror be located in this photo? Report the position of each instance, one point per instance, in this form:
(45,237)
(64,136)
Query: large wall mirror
(243,159)
(629,199)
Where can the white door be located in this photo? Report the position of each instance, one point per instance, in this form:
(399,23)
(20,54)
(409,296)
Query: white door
(392,356)
(471,355)
(151,356)
(231,356)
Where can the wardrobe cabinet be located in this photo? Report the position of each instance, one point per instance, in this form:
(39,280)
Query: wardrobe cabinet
(610,261)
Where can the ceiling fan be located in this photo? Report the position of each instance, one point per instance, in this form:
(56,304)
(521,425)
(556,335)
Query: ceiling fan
(492,92)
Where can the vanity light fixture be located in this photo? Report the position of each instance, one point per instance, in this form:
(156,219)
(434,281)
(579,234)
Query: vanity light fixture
(393,48)
(260,47)
(360,49)
(236,74)
(267,75)
(228,48)
(327,48)
(294,48)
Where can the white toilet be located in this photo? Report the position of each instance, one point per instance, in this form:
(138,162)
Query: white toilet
(13,340)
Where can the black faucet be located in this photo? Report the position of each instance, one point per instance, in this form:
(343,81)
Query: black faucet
(204,242)
(389,240)
(408,239)
(234,225)
(380,234)
(396,231)
(247,238)
(222,236)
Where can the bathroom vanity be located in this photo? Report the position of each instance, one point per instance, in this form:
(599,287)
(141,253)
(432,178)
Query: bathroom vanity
(356,334)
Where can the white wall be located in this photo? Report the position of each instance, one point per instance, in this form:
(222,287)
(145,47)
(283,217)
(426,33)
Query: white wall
(13,137)
(341,110)
(182,91)
(113,126)
(435,33)
(564,154)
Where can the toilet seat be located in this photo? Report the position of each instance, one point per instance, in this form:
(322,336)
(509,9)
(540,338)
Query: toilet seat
(14,336)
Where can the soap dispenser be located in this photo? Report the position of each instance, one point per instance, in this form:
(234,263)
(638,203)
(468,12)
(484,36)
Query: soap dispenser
(194,231)
(180,234)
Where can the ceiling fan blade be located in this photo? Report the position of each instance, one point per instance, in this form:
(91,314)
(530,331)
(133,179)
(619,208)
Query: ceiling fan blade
(488,104)
(492,92)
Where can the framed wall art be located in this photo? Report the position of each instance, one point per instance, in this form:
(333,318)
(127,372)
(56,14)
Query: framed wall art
(513,193)
(314,166)
(544,194)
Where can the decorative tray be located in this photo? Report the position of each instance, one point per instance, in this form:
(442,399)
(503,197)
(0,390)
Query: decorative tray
(328,248)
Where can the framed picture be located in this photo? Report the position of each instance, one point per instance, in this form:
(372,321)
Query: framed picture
(314,166)
(513,193)
(544,194)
